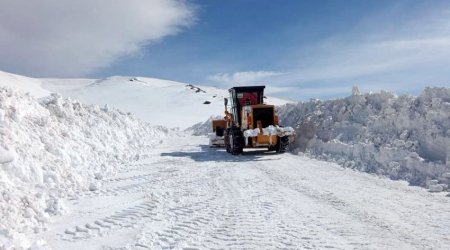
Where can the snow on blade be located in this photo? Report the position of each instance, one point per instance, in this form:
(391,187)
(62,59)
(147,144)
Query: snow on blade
(55,148)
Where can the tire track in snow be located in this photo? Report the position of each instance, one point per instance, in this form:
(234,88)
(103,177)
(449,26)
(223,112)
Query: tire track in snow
(127,217)
(233,213)
(371,224)
(204,199)
(124,218)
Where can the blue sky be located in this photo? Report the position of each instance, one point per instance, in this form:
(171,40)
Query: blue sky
(279,38)
(245,35)
(300,49)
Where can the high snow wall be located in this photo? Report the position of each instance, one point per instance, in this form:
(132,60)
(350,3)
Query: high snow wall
(403,137)
(54,148)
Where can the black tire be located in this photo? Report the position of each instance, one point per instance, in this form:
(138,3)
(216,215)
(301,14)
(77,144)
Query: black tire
(282,145)
(236,142)
(227,140)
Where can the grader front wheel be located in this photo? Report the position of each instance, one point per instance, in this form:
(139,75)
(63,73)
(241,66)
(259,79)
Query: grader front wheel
(282,145)
(234,143)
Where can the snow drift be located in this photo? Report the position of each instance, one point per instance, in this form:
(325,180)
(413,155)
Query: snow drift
(54,148)
(403,137)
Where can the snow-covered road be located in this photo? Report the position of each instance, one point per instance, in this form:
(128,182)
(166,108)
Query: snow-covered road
(185,195)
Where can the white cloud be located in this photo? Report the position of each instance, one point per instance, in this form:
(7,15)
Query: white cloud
(243,77)
(73,38)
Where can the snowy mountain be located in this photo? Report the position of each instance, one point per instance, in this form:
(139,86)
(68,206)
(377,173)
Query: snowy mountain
(161,102)
(153,100)
(24,84)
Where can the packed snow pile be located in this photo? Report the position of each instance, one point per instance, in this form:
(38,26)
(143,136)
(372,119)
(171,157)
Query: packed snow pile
(403,137)
(54,148)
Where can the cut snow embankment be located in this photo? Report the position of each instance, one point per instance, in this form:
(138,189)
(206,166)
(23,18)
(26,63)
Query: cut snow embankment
(403,137)
(54,148)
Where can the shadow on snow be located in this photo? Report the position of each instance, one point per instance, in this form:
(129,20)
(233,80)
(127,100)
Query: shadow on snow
(214,154)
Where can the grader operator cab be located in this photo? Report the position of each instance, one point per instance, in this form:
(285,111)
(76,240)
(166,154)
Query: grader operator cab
(250,123)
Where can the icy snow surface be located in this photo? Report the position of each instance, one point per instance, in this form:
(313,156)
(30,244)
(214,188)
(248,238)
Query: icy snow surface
(403,137)
(53,148)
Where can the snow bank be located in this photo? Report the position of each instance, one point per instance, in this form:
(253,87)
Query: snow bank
(403,137)
(54,148)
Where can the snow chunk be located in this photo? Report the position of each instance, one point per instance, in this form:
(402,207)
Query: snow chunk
(355,91)
(436,188)
(94,186)
(251,132)
(5,156)
(55,206)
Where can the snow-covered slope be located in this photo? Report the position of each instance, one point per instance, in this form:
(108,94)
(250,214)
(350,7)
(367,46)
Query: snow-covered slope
(159,102)
(403,137)
(22,83)
(168,103)
(54,148)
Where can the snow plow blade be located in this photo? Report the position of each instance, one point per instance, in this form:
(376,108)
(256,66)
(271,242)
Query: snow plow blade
(216,139)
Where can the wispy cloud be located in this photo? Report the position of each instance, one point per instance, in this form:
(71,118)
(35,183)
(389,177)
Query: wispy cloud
(243,77)
(399,54)
(358,60)
(73,38)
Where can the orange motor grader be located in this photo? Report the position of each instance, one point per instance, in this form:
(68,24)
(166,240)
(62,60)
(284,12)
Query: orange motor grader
(250,123)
